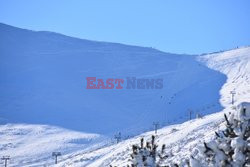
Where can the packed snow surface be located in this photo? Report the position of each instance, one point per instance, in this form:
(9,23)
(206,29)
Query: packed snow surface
(235,65)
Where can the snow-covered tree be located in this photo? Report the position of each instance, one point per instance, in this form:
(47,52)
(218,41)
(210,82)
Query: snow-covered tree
(144,155)
(231,146)
(147,155)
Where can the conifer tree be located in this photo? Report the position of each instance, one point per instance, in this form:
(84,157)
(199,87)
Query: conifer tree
(231,147)
(147,155)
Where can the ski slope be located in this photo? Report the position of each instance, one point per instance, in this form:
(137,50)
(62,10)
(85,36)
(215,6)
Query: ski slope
(235,65)
(181,139)
(43,81)
(44,101)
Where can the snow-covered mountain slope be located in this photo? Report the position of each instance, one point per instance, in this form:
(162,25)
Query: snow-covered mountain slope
(43,81)
(32,145)
(236,65)
(181,139)
(178,138)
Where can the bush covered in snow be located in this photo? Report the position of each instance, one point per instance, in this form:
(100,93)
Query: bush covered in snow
(147,155)
(231,146)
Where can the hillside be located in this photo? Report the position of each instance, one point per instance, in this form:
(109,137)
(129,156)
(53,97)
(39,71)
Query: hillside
(47,108)
(29,145)
(43,81)
(181,139)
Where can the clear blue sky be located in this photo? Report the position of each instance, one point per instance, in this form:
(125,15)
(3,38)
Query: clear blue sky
(179,26)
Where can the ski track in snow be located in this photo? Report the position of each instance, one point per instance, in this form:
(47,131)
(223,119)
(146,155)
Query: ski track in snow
(236,65)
